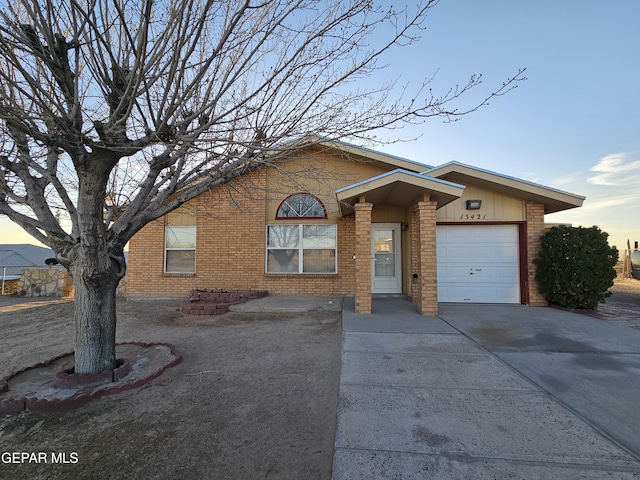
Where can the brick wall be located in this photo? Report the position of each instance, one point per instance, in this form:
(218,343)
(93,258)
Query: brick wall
(230,252)
(535,230)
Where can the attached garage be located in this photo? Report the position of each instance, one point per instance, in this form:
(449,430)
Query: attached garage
(478,263)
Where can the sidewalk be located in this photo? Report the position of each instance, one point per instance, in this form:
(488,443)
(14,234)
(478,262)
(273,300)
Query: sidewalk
(420,400)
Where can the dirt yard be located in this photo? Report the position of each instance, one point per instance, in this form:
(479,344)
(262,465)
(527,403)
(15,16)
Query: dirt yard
(255,397)
(623,306)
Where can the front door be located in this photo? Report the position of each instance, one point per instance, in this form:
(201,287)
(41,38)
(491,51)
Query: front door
(386,275)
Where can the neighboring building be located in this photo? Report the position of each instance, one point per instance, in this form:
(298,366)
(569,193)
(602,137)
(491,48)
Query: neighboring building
(342,220)
(14,258)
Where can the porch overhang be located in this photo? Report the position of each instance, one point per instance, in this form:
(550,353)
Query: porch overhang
(398,187)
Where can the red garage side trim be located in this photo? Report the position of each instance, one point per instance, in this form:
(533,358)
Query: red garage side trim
(524,263)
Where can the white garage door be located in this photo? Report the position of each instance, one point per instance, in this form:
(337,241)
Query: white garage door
(478,264)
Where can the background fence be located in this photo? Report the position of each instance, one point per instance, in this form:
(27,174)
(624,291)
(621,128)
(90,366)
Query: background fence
(629,262)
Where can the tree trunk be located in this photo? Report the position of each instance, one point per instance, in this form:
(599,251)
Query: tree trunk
(96,264)
(95,318)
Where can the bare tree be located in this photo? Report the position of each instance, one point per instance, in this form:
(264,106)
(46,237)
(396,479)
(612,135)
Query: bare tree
(116,112)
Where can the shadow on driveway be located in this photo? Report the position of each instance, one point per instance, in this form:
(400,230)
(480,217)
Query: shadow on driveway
(589,365)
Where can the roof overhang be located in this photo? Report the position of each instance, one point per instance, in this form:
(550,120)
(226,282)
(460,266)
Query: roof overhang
(400,188)
(552,199)
(364,153)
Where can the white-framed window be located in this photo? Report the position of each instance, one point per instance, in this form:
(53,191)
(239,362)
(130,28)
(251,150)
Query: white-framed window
(180,249)
(301,205)
(301,248)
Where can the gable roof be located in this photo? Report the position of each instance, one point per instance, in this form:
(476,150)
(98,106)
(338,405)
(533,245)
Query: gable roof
(373,155)
(398,187)
(553,200)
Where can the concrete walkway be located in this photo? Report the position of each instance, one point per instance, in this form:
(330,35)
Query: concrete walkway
(486,392)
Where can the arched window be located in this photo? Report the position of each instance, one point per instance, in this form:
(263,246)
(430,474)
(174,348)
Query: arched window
(301,205)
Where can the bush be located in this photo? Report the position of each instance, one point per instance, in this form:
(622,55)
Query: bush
(575,267)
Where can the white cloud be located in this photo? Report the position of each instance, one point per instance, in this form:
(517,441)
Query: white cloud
(612,197)
(625,200)
(616,169)
(569,182)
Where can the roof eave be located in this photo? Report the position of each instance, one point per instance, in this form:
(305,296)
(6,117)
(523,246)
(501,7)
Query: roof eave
(554,200)
(400,188)
(392,160)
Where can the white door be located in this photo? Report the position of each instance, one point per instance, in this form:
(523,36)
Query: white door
(386,275)
(478,263)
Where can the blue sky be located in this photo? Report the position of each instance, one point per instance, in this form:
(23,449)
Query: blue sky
(573,125)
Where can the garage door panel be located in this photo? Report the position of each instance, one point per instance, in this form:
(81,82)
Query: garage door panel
(507,274)
(456,291)
(478,263)
(455,274)
(481,293)
(506,294)
(459,252)
(480,253)
(502,273)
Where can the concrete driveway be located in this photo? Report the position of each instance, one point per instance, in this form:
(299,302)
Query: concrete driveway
(486,392)
(589,365)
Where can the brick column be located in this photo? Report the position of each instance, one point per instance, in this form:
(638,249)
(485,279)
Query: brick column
(427,291)
(363,257)
(535,229)
(415,258)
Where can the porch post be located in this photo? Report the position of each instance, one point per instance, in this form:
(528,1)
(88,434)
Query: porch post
(363,257)
(427,288)
(535,230)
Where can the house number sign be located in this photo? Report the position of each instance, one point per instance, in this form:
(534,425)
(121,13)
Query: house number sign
(473,216)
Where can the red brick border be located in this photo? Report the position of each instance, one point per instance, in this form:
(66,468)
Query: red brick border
(17,405)
(203,302)
(68,379)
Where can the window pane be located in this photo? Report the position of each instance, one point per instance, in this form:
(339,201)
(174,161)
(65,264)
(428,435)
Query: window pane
(181,261)
(301,205)
(385,264)
(319,236)
(283,236)
(384,241)
(180,237)
(279,261)
(319,261)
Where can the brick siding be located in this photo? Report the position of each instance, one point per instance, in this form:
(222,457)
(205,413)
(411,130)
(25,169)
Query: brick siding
(230,251)
(363,257)
(426,295)
(231,243)
(535,230)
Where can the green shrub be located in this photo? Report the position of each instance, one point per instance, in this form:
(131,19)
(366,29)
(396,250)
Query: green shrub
(575,267)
